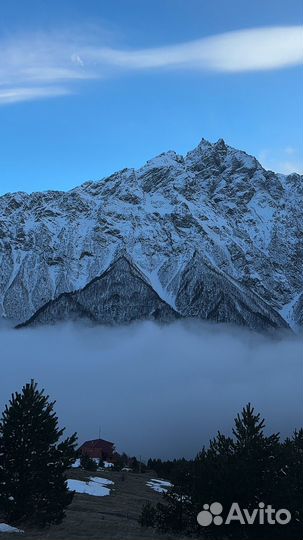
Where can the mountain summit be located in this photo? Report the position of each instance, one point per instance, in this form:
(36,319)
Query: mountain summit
(212,233)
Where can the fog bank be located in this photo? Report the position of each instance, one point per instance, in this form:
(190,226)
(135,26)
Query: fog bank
(159,391)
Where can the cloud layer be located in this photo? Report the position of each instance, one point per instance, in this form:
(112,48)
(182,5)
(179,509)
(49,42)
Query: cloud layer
(156,391)
(48,65)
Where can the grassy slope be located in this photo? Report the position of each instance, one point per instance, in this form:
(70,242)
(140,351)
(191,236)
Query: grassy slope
(102,518)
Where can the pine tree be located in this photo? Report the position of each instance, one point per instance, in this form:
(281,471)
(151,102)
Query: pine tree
(134,463)
(176,514)
(148,515)
(33,461)
(257,455)
(249,469)
(121,461)
(213,473)
(101,463)
(87,463)
(289,494)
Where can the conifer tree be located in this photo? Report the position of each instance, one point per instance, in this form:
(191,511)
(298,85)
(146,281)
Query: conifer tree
(251,468)
(255,472)
(101,463)
(148,515)
(290,492)
(87,463)
(33,460)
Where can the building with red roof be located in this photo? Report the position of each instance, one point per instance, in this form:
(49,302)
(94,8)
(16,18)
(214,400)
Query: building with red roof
(99,449)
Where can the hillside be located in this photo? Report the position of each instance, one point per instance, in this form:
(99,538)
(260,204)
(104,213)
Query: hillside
(109,517)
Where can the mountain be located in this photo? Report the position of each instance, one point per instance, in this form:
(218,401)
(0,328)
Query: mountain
(209,295)
(214,234)
(119,296)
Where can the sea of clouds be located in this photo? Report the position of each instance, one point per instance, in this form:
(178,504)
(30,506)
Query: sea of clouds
(160,391)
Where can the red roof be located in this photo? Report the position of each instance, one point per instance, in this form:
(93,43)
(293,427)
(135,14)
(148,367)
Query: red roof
(98,444)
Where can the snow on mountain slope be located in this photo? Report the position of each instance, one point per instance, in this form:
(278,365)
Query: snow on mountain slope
(244,222)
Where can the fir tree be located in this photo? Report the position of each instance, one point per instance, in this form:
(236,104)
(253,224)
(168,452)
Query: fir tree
(33,461)
(176,514)
(290,490)
(256,470)
(87,463)
(121,461)
(134,463)
(249,469)
(148,515)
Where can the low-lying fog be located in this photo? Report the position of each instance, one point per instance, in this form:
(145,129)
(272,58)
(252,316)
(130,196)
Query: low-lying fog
(156,391)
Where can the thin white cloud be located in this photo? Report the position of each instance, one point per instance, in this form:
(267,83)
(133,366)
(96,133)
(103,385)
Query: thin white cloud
(37,59)
(244,50)
(54,59)
(15,95)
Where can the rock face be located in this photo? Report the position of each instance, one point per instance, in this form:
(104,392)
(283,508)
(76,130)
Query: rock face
(119,296)
(207,294)
(214,234)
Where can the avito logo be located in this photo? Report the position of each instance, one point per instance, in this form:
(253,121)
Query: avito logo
(261,515)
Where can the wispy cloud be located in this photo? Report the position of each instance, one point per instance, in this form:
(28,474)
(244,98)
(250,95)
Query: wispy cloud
(13,95)
(244,50)
(39,66)
(41,62)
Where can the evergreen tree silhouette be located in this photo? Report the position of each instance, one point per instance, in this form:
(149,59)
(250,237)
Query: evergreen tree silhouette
(33,460)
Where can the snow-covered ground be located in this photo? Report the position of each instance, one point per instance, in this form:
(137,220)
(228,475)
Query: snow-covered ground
(107,464)
(4,528)
(161,486)
(94,486)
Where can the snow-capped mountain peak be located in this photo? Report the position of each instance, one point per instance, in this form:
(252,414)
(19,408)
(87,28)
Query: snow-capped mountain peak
(217,201)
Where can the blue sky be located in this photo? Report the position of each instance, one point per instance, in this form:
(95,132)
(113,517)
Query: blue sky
(90,87)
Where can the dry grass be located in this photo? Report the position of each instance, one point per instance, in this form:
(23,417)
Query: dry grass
(104,518)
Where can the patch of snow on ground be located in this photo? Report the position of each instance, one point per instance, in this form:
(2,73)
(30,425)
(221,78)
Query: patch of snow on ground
(161,486)
(103,481)
(94,486)
(108,465)
(4,528)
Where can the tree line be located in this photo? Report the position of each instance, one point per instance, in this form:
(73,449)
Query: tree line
(249,468)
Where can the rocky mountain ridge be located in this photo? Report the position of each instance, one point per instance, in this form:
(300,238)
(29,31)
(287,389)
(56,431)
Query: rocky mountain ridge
(214,234)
